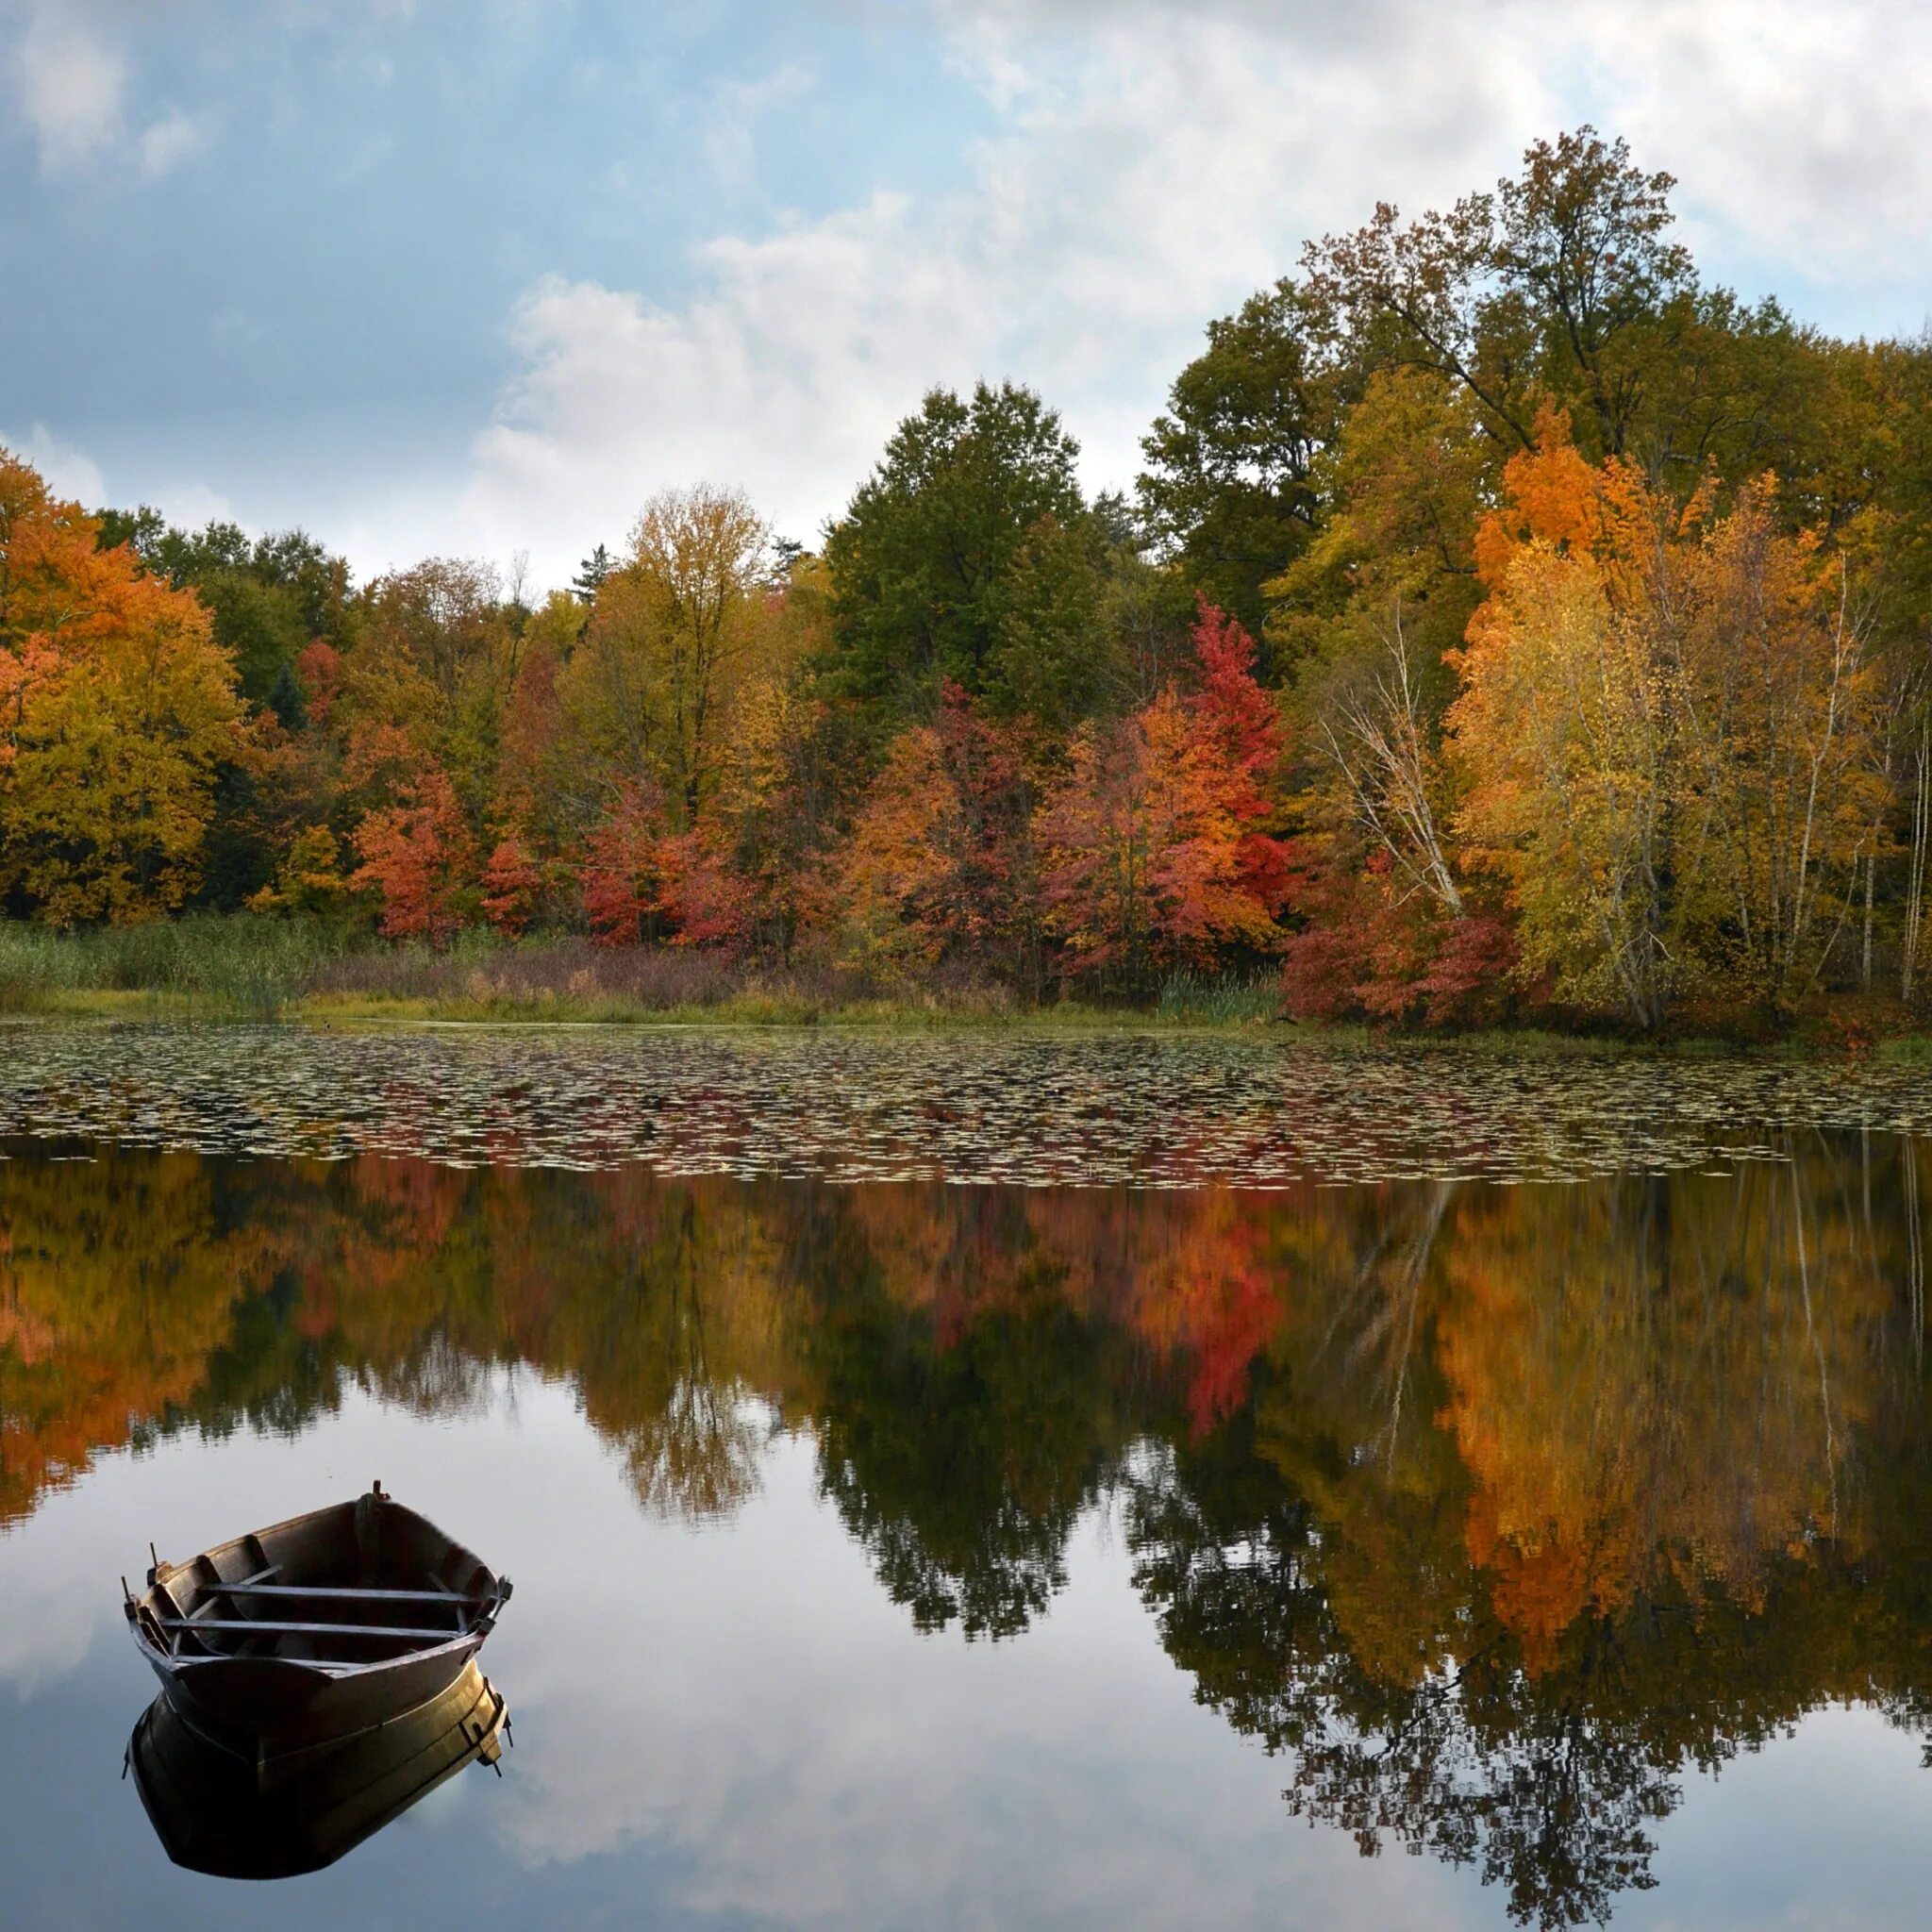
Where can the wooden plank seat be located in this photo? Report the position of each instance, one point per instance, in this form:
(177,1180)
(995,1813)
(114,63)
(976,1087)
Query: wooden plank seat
(264,1626)
(339,1592)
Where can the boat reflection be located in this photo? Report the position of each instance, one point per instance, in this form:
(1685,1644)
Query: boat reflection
(230,1816)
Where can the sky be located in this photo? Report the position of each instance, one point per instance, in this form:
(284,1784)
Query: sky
(476,278)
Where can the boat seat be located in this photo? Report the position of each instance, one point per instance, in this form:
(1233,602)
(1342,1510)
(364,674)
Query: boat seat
(263,1627)
(318,1592)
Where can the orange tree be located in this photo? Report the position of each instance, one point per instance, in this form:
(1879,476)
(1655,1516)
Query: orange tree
(116,710)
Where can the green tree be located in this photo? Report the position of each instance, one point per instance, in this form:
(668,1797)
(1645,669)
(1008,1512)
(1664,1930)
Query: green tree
(1228,489)
(969,554)
(268,595)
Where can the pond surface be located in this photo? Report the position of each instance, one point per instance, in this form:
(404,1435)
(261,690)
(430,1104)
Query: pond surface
(1004,1483)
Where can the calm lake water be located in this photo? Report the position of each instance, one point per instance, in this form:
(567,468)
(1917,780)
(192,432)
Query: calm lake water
(1004,1483)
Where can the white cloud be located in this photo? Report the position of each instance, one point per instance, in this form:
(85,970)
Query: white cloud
(1798,130)
(170,140)
(69,474)
(1133,190)
(69,82)
(786,376)
(1153,163)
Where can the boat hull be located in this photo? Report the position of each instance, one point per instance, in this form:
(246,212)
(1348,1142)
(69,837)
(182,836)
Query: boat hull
(262,1705)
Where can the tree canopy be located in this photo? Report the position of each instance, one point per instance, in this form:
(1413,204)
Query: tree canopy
(1583,650)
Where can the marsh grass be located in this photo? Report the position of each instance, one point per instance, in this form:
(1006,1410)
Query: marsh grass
(248,967)
(259,967)
(1194,999)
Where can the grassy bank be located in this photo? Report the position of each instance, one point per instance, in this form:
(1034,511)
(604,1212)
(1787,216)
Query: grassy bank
(250,968)
(254,968)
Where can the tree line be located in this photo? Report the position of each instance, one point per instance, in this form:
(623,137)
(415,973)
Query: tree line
(1506,622)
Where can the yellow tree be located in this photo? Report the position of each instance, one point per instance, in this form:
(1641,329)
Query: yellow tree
(1565,732)
(438,653)
(116,710)
(1666,732)
(673,637)
(1786,712)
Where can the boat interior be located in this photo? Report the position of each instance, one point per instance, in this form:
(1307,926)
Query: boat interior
(342,1589)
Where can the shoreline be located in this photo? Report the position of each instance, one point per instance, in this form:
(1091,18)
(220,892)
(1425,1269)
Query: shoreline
(761,1014)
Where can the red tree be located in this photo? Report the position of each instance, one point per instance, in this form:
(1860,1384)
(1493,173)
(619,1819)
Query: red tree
(416,853)
(622,867)
(1243,723)
(1372,950)
(1156,851)
(510,884)
(708,902)
(319,665)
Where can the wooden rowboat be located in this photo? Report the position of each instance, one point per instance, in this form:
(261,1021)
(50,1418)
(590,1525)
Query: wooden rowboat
(316,1629)
(214,1813)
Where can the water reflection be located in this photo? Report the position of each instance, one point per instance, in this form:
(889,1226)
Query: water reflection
(1497,1511)
(232,1817)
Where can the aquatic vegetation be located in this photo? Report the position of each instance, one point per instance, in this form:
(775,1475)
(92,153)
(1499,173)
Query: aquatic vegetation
(1100,1110)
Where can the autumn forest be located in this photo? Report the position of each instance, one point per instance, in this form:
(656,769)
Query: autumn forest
(1508,627)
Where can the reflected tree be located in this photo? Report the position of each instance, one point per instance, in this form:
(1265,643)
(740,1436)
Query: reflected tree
(1496,1511)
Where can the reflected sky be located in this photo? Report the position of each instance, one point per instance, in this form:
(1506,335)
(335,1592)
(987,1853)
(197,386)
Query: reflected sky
(738,1729)
(900,1552)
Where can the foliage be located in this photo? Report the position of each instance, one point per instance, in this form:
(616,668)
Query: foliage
(623,877)
(1229,483)
(117,710)
(967,556)
(1595,686)
(1667,724)
(941,862)
(416,856)
(511,886)
(1155,852)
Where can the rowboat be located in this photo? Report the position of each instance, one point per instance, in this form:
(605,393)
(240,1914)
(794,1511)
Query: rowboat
(316,1629)
(214,1813)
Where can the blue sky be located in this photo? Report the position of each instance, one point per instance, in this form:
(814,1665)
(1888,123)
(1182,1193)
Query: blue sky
(478,275)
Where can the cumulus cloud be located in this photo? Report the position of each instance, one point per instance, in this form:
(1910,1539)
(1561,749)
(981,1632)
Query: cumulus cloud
(68,80)
(1135,186)
(791,371)
(69,473)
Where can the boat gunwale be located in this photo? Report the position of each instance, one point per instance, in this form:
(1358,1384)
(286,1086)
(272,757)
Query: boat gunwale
(170,1663)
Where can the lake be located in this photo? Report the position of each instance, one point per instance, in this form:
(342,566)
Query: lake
(979,1481)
